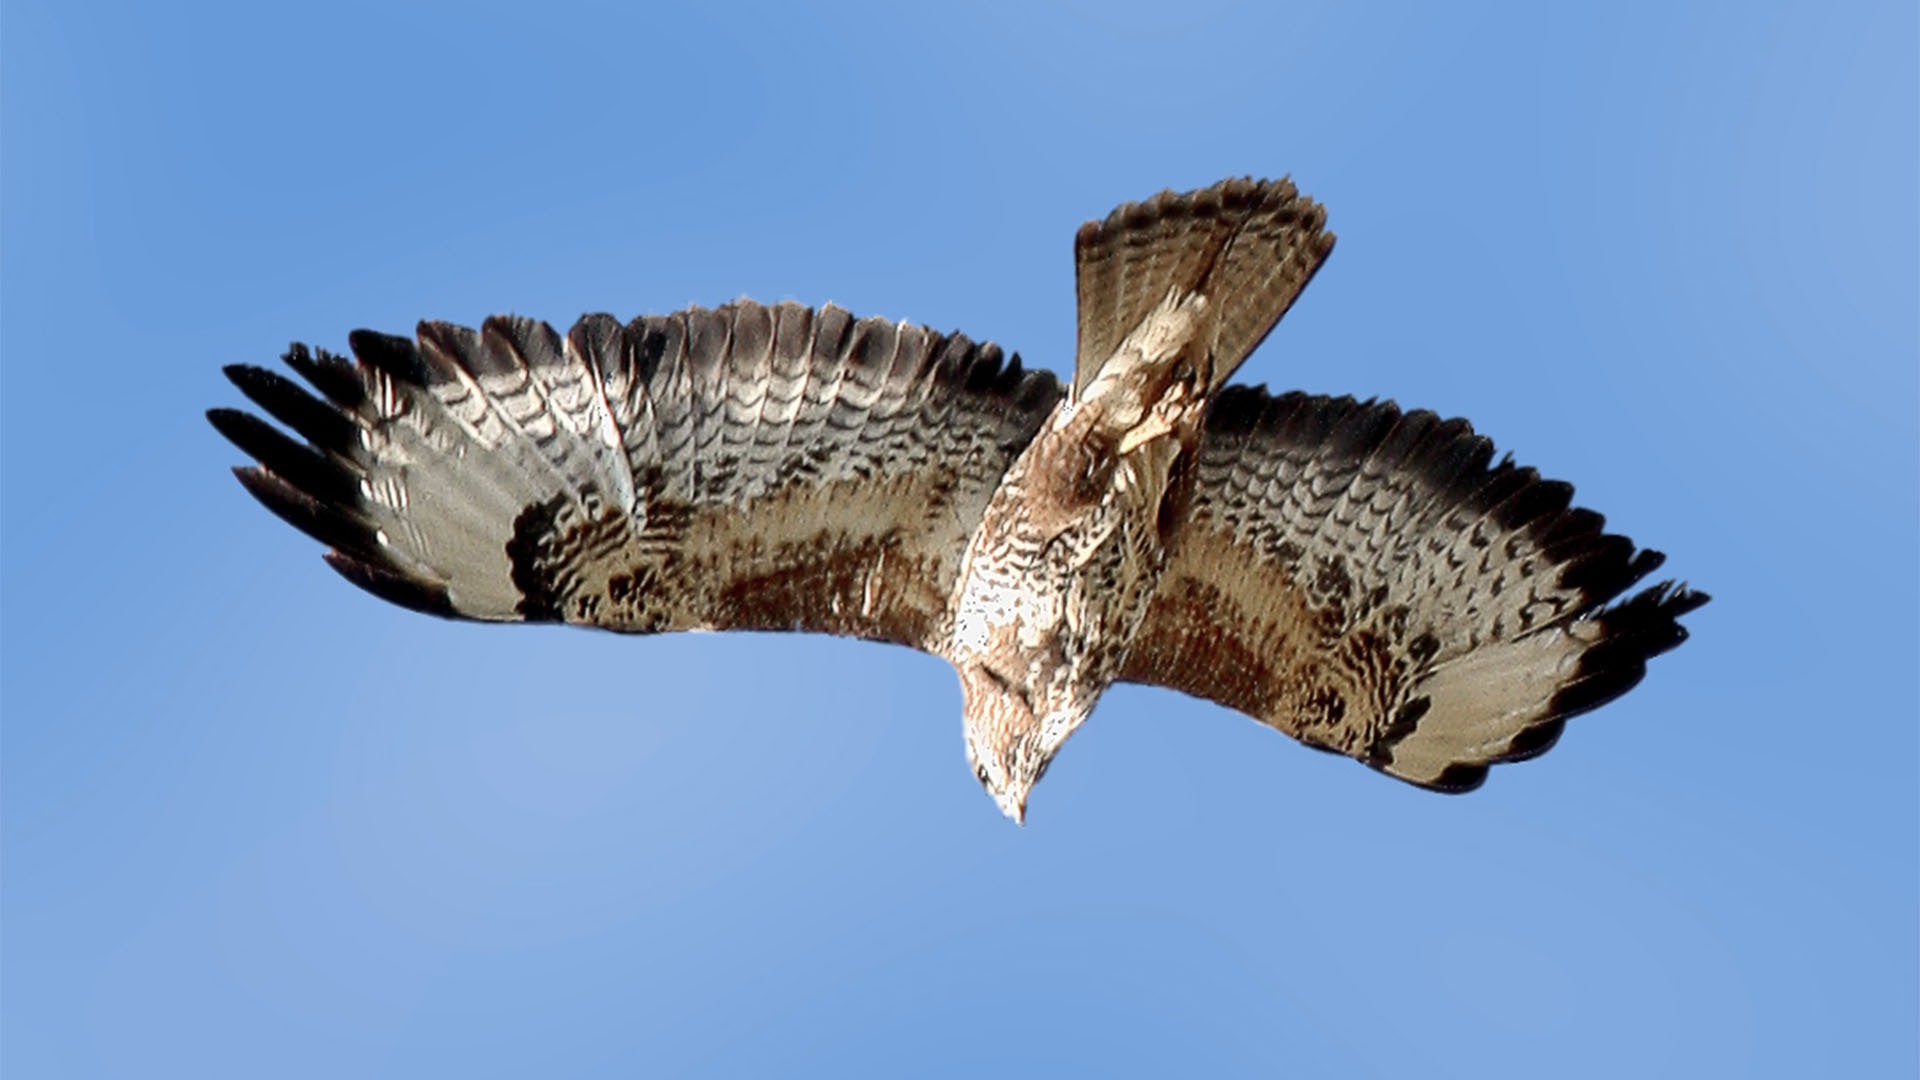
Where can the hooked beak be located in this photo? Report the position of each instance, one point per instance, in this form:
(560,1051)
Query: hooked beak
(1013,803)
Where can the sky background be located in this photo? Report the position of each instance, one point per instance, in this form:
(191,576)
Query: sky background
(257,823)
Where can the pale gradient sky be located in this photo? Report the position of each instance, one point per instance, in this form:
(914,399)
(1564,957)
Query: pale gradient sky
(256,823)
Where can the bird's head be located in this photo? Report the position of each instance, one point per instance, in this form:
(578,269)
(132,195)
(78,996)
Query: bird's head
(1011,737)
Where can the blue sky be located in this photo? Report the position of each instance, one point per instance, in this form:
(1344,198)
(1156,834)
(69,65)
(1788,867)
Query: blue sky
(257,823)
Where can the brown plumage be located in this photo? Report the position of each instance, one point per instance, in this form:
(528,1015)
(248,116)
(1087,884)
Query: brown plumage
(1359,577)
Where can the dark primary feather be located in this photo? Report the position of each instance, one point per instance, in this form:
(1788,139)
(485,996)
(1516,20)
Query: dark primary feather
(1366,580)
(749,466)
(1249,246)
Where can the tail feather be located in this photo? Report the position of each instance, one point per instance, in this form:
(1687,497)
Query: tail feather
(1248,246)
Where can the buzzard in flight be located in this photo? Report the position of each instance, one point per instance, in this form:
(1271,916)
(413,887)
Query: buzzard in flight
(1363,578)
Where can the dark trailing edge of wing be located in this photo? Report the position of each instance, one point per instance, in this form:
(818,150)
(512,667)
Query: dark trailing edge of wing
(408,592)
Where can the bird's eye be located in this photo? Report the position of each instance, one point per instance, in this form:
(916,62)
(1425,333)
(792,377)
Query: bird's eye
(981,772)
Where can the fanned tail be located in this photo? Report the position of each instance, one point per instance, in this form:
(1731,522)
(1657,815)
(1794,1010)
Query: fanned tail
(1248,246)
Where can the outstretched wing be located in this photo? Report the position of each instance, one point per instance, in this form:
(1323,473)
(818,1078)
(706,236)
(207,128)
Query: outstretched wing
(1361,579)
(751,467)
(1249,246)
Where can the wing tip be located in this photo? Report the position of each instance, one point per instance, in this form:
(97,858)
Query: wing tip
(391,354)
(1631,633)
(313,473)
(352,552)
(332,525)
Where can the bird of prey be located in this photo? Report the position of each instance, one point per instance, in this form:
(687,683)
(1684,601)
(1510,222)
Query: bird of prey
(1361,577)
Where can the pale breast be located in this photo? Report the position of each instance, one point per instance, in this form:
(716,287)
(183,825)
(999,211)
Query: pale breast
(1056,581)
